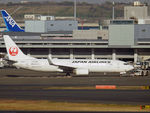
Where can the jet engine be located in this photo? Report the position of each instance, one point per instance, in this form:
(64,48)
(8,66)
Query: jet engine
(81,71)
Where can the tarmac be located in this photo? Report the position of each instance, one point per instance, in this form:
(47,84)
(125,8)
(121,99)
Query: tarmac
(24,77)
(18,84)
(124,97)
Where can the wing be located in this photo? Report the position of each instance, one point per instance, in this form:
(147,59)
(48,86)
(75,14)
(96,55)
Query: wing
(65,68)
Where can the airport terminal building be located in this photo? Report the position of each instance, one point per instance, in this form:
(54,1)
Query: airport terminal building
(127,41)
(124,39)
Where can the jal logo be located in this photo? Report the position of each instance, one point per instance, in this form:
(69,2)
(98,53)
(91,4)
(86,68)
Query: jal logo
(10,21)
(13,51)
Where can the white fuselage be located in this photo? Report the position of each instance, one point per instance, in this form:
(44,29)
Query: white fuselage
(90,65)
(95,65)
(37,65)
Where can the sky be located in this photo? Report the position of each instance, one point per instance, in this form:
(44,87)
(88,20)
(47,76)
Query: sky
(89,1)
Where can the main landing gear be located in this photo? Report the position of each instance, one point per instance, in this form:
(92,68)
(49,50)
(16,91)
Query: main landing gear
(68,74)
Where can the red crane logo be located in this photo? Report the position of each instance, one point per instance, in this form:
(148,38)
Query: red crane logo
(13,51)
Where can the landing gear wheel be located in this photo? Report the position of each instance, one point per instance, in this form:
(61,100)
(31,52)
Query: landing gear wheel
(142,73)
(147,73)
(67,74)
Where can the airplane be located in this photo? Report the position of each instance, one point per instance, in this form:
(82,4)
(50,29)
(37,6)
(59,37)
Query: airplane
(10,23)
(68,66)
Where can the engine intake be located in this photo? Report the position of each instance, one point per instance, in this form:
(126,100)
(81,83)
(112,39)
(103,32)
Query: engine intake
(81,71)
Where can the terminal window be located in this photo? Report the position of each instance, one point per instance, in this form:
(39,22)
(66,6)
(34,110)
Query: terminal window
(122,22)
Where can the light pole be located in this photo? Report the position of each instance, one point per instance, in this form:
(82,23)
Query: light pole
(75,10)
(113,12)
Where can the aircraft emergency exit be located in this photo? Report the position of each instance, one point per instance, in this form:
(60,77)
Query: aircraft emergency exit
(68,66)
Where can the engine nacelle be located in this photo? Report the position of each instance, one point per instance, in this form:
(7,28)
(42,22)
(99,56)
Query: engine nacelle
(81,71)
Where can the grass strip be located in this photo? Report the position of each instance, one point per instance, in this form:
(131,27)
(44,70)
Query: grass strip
(43,105)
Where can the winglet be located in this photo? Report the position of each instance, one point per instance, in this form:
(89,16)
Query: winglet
(10,23)
(50,60)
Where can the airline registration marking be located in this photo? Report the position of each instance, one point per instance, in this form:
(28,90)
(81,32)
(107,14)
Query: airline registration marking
(91,62)
(34,63)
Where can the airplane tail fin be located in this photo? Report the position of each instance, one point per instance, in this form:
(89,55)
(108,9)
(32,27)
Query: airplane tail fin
(10,22)
(14,52)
